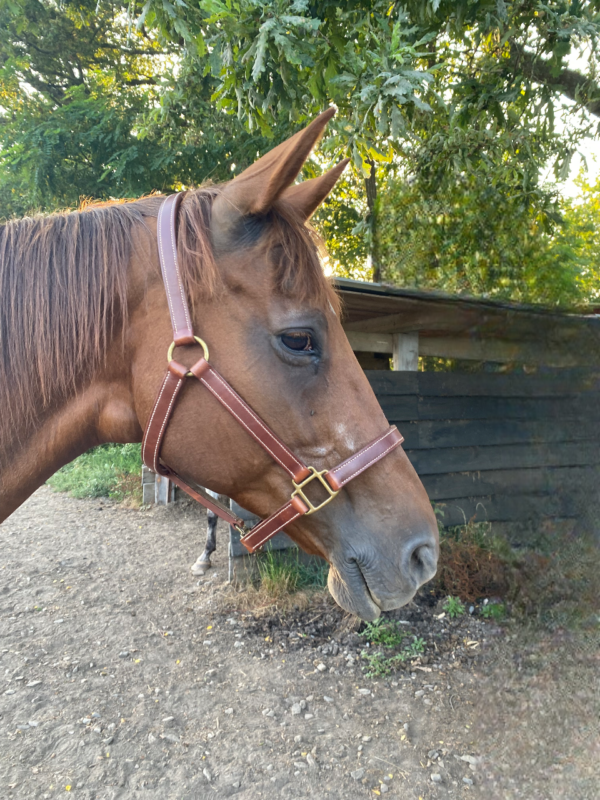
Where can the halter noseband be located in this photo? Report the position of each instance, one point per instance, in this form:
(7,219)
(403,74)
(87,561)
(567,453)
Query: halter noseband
(299,504)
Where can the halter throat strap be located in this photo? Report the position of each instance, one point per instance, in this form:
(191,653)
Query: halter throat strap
(299,504)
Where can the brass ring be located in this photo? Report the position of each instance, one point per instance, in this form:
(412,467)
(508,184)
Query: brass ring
(201,342)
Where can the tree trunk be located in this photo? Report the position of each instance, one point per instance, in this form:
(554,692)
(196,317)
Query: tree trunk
(371,188)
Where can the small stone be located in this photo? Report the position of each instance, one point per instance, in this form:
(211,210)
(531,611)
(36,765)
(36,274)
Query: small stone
(366,738)
(168,720)
(22,726)
(229,710)
(207,774)
(310,698)
(10,691)
(33,723)
(124,654)
(96,730)
(327,699)
(238,644)
(311,761)
(58,621)
(95,715)
(298,738)
(110,740)
(300,765)
(384,788)
(210,672)
(420,693)
(296,709)
(268,712)
(33,683)
(468,781)
(85,721)
(364,691)
(236,784)
(151,738)
(436,777)
(171,737)
(357,774)
(308,716)
(321,667)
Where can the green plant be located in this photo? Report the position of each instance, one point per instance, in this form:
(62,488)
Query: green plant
(387,634)
(283,572)
(384,632)
(110,470)
(495,611)
(454,607)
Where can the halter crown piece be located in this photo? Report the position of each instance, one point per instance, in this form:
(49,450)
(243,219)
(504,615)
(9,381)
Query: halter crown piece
(331,480)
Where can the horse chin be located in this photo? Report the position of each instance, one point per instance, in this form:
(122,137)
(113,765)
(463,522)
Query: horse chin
(351,591)
(352,594)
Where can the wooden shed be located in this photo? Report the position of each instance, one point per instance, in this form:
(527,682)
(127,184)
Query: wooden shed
(517,439)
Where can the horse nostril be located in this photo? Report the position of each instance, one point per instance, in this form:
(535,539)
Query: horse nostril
(421,560)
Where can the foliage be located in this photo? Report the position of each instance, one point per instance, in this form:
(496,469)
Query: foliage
(387,634)
(282,573)
(484,238)
(109,470)
(453,607)
(495,611)
(458,107)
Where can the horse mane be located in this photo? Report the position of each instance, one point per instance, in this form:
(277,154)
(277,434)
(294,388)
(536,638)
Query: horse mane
(63,290)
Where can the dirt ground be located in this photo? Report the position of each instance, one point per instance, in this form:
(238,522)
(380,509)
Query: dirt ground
(125,677)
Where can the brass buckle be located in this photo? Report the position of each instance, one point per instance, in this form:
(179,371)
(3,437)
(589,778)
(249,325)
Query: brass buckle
(242,531)
(202,344)
(298,487)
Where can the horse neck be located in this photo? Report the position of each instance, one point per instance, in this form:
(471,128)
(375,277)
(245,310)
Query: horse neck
(102,411)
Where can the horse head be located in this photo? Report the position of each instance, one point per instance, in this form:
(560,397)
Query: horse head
(271,319)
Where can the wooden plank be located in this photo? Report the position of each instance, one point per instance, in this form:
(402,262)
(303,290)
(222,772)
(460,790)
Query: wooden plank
(433,434)
(554,383)
(501,351)
(510,481)
(510,508)
(515,456)
(584,407)
(371,342)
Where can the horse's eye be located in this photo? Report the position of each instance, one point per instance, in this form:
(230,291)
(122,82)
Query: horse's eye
(298,341)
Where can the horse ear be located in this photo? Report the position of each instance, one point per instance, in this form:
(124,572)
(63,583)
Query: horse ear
(307,196)
(257,188)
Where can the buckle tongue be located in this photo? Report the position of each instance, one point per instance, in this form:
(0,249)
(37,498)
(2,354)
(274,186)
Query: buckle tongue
(299,487)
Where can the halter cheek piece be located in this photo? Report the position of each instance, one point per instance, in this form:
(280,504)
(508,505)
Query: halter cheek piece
(299,504)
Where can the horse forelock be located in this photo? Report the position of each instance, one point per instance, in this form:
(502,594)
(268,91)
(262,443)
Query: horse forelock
(63,290)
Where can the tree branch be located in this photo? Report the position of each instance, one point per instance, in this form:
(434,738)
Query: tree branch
(572,84)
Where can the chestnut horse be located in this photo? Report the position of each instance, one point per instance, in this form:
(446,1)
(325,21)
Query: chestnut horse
(84,334)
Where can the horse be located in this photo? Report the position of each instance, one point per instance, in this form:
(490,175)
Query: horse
(84,333)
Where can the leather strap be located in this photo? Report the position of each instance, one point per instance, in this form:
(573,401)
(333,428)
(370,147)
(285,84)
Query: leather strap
(166,233)
(371,453)
(173,381)
(249,420)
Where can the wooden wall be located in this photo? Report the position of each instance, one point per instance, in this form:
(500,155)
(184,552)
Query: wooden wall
(504,448)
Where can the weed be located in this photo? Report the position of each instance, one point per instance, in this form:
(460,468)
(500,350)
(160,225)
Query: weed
(379,664)
(384,632)
(495,611)
(104,471)
(282,573)
(453,607)
(387,634)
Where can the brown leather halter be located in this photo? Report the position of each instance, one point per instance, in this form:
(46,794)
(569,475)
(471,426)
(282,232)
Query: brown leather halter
(299,504)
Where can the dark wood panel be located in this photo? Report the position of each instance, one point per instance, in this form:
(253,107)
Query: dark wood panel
(516,456)
(511,481)
(585,407)
(510,508)
(555,383)
(429,434)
